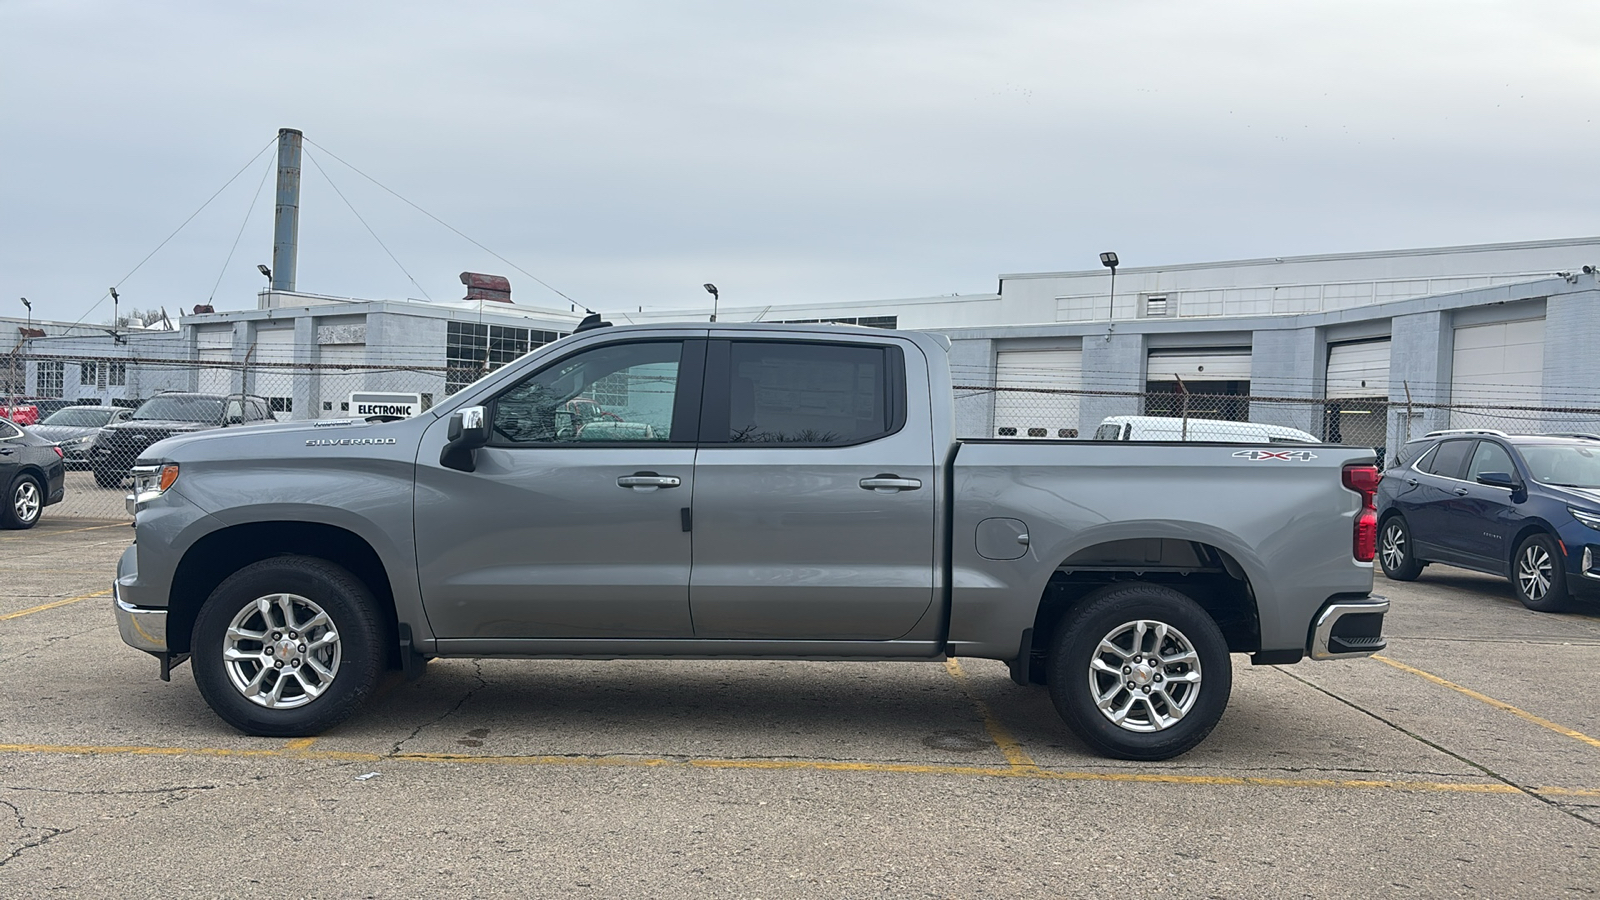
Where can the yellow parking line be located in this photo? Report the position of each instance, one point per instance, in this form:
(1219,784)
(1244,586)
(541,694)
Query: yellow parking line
(1014,754)
(1497,704)
(297,745)
(45,534)
(52,605)
(1036,773)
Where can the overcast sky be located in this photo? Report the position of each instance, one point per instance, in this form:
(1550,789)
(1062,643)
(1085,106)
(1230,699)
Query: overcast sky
(626,152)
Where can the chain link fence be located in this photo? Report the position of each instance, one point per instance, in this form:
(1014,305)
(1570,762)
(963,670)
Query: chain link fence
(136,402)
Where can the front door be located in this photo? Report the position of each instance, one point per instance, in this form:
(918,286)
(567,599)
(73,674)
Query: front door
(814,492)
(573,524)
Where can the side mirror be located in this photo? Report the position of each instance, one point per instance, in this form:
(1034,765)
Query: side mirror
(468,430)
(1498,479)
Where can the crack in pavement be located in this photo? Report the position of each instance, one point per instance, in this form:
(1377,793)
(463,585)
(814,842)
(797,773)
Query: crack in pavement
(48,833)
(1503,779)
(477,667)
(107,793)
(52,640)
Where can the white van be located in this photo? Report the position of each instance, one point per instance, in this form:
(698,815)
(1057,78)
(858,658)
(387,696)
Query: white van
(1165,428)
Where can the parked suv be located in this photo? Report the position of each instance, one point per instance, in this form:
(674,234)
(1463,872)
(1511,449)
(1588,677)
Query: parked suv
(162,416)
(1526,507)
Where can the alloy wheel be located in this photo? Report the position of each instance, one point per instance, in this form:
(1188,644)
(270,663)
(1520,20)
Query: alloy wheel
(1393,547)
(1144,676)
(1535,572)
(26,501)
(282,651)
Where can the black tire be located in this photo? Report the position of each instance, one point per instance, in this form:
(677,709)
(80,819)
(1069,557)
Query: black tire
(1538,574)
(108,478)
(1074,686)
(355,658)
(1396,553)
(24,502)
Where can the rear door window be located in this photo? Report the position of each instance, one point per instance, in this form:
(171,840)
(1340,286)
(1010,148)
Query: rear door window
(803,394)
(1450,460)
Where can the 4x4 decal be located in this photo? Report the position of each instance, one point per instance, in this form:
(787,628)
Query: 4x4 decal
(1286,455)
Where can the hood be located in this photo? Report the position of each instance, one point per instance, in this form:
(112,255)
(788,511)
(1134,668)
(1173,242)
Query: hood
(59,433)
(162,426)
(279,437)
(1585,497)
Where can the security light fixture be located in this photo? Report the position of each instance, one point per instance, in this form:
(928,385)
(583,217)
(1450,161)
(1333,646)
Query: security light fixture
(30,312)
(712,290)
(264,270)
(1109,260)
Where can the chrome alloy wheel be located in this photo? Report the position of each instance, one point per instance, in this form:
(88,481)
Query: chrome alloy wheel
(1535,572)
(26,501)
(281,651)
(1145,676)
(1393,547)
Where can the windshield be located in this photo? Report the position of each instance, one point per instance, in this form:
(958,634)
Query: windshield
(1563,465)
(79,417)
(207,410)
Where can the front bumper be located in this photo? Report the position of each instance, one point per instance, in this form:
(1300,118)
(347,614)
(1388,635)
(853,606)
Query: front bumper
(141,628)
(1349,628)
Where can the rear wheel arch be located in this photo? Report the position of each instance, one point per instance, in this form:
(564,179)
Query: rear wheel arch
(1206,574)
(216,556)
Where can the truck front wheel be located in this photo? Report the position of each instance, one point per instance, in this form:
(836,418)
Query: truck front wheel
(287,647)
(1139,671)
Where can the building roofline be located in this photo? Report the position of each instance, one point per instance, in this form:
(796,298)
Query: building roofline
(1319,257)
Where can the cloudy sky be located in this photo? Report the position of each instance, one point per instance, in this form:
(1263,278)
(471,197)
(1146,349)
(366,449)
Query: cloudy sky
(626,152)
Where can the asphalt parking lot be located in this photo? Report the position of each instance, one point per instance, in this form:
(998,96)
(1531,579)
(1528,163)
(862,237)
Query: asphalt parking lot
(1465,761)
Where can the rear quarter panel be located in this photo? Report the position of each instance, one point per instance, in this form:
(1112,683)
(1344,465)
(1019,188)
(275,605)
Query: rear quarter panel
(1287,523)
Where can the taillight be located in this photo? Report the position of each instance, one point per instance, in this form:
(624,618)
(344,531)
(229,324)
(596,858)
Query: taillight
(1364,481)
(59,453)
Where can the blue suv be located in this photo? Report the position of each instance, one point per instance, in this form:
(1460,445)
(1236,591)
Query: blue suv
(1526,507)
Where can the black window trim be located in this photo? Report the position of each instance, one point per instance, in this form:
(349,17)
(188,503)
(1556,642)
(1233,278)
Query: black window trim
(1466,461)
(685,402)
(717,402)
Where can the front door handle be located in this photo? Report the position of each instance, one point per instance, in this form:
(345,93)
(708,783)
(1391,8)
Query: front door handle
(1462,492)
(648,481)
(1411,481)
(889,484)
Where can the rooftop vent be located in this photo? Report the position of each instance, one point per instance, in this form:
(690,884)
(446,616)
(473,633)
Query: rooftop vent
(486,287)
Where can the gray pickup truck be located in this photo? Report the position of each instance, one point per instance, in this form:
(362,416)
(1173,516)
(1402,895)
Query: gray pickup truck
(741,492)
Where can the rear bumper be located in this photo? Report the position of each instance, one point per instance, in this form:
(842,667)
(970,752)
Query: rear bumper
(1349,628)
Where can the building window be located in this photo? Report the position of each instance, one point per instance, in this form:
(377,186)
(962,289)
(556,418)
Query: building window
(280,404)
(473,350)
(868,321)
(118,374)
(87,373)
(50,378)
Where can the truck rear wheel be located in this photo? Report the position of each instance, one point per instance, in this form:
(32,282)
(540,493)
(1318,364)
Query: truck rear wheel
(1139,671)
(287,647)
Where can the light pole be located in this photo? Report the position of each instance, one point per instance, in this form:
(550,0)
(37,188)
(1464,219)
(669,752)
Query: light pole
(1109,260)
(712,289)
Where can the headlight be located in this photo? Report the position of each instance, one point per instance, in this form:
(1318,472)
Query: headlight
(1592,520)
(150,482)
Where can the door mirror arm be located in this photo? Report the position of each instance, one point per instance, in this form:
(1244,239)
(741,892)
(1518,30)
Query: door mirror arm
(468,430)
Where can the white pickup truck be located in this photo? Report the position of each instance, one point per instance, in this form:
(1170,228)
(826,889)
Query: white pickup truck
(749,491)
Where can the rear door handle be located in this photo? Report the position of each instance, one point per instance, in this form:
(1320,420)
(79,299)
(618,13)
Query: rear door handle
(648,481)
(1462,492)
(1411,481)
(889,484)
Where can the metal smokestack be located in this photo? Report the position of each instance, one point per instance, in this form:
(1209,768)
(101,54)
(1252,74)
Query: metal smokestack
(286,232)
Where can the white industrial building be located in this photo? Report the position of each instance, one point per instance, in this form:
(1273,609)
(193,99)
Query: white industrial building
(1332,344)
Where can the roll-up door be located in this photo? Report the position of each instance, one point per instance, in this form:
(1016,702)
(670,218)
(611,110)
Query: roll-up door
(273,381)
(1496,365)
(340,375)
(1359,369)
(1223,364)
(215,347)
(1027,405)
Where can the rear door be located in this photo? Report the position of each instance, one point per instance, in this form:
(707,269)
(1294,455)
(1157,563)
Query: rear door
(1428,507)
(814,492)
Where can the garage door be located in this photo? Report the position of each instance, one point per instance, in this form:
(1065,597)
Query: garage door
(1025,410)
(1358,369)
(215,347)
(274,383)
(1222,364)
(1496,366)
(334,385)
